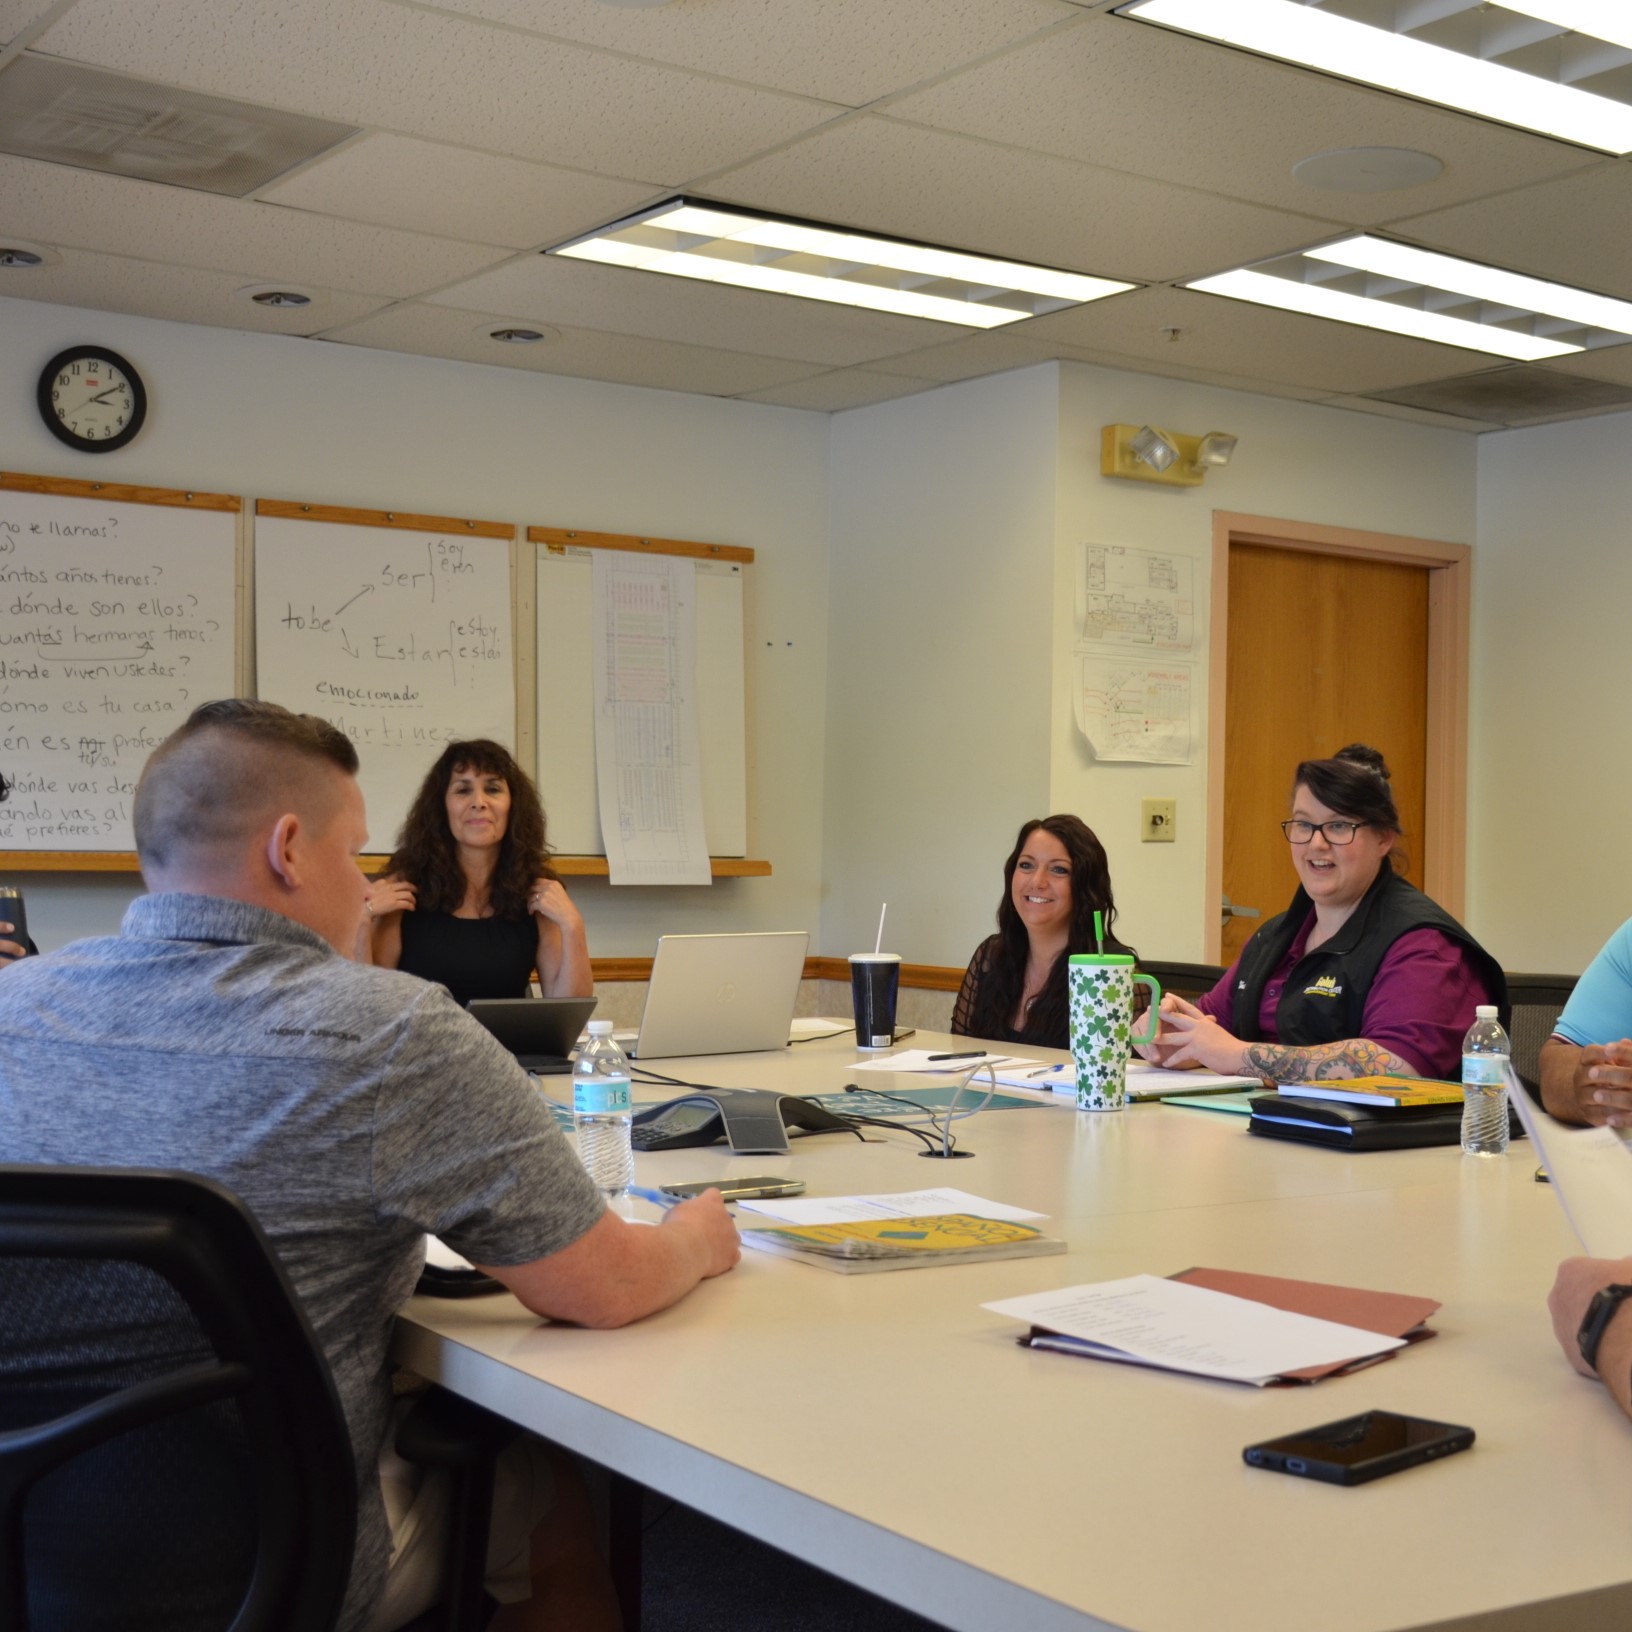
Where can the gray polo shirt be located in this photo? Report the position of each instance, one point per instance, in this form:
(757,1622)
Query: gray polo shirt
(354,1109)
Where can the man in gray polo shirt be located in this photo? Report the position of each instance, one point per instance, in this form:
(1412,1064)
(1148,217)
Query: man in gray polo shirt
(354,1109)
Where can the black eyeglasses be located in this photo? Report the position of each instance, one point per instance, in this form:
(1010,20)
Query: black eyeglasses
(1337,831)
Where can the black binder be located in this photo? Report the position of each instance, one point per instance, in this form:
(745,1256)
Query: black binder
(1342,1126)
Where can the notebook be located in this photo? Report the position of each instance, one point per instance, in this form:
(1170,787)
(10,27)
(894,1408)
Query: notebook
(721,994)
(539,1031)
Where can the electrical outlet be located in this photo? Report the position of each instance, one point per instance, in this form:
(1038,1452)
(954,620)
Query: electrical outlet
(1157,821)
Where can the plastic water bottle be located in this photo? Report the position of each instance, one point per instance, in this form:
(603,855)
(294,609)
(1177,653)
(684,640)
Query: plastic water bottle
(602,1111)
(1485,1054)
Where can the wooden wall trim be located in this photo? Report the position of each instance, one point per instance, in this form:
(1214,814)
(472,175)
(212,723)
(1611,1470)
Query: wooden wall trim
(560,538)
(926,977)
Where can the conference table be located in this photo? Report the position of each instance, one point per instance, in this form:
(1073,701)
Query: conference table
(888,1429)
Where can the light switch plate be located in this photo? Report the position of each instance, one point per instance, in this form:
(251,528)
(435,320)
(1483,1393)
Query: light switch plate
(1157,818)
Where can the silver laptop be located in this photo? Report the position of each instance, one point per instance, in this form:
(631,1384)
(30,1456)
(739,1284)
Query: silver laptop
(721,994)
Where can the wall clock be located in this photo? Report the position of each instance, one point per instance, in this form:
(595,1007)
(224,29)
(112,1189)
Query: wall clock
(92,399)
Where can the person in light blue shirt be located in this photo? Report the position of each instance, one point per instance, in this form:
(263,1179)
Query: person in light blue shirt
(1586,1065)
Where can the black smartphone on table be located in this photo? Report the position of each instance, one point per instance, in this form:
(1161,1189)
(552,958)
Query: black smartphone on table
(1359,1449)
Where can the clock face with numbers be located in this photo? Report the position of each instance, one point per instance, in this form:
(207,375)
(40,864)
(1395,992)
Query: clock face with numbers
(92,399)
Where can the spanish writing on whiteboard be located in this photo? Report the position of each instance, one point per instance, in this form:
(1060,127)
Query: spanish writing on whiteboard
(401,637)
(647,768)
(1129,709)
(1136,598)
(118,622)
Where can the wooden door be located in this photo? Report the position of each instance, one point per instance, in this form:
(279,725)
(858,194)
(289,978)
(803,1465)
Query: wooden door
(1323,650)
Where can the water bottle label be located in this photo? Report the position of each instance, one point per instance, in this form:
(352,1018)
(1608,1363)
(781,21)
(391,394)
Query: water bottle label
(1486,1070)
(600,1096)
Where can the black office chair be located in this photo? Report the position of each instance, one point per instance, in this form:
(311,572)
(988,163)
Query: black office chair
(172,1451)
(1537,1001)
(181,1463)
(1187,979)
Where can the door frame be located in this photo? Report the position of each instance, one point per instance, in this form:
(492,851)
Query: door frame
(1445,785)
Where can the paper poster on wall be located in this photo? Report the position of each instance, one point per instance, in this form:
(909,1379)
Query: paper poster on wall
(647,764)
(118,622)
(1136,598)
(1132,710)
(398,634)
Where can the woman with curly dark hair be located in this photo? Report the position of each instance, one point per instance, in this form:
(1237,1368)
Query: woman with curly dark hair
(1055,880)
(470,898)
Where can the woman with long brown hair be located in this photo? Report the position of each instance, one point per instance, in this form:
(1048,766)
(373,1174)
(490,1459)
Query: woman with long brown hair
(1056,878)
(469,898)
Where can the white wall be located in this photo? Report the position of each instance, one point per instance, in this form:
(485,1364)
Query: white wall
(1551,783)
(266,416)
(938,679)
(1295,462)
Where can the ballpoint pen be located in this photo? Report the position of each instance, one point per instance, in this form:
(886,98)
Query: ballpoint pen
(968,1054)
(1047,1070)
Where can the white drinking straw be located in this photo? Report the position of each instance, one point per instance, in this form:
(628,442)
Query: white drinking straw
(879,947)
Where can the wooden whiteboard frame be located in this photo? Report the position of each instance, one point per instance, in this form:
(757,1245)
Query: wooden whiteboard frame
(557,540)
(69,487)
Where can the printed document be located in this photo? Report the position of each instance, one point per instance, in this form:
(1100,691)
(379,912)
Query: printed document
(1591,1170)
(1150,1321)
(907,1204)
(648,771)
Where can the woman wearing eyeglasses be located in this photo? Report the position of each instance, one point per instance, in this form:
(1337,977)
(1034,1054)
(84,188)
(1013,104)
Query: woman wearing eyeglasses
(1362,975)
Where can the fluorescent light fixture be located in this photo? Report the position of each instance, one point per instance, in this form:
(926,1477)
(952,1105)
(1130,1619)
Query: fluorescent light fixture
(1607,20)
(1318,300)
(721,244)
(1450,272)
(1375,55)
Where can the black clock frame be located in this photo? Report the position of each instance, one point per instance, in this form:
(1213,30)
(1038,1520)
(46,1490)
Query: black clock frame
(48,412)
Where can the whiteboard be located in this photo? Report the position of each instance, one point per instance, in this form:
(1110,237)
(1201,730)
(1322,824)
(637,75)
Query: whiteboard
(399,635)
(566,704)
(116,619)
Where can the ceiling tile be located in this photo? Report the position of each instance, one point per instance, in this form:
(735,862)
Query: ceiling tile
(259,242)
(580,294)
(1251,342)
(451,79)
(848,51)
(1416,416)
(1148,100)
(181,294)
(843,388)
(16,15)
(1606,363)
(973,356)
(400,181)
(1578,230)
(953,190)
(1201,376)
(441,331)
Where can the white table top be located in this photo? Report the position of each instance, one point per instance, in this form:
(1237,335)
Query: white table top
(890,1430)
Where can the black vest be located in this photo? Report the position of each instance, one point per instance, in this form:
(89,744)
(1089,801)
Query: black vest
(1324,999)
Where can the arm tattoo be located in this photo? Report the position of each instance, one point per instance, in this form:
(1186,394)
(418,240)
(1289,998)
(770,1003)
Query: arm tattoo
(1354,1057)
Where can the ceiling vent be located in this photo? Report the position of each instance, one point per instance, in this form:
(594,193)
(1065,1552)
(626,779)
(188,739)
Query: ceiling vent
(1520,395)
(65,113)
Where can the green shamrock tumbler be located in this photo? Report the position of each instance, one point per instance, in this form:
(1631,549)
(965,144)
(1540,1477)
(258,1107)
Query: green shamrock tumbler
(1101,1003)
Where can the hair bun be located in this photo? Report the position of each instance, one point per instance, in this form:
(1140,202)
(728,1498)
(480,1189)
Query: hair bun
(1357,753)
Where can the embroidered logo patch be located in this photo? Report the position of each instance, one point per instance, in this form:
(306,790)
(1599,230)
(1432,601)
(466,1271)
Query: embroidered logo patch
(1326,986)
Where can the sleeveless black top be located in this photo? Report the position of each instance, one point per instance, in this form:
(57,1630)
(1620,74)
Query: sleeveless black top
(472,957)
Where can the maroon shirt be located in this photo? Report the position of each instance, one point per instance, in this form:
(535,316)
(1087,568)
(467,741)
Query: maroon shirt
(1420,1004)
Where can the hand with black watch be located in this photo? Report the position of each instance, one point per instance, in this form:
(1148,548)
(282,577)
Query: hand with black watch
(1596,1337)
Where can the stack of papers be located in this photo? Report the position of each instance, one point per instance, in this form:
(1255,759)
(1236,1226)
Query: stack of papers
(901,1243)
(941,1061)
(1591,1170)
(1253,1337)
(901,1204)
(1145,1081)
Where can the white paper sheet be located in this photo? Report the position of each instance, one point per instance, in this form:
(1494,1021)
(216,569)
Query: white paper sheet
(1170,1324)
(905,1204)
(648,771)
(1591,1170)
(1136,598)
(925,1060)
(1145,1081)
(1131,709)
